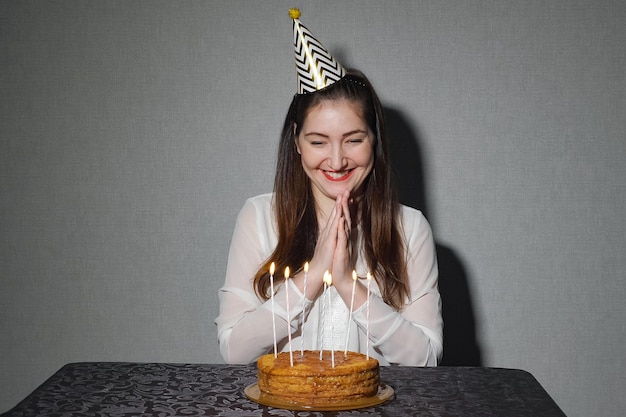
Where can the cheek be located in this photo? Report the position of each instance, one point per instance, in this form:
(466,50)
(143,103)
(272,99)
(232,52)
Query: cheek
(311,158)
(308,160)
(365,158)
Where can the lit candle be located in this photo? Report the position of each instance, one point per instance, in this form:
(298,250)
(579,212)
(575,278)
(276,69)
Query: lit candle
(367,345)
(288,316)
(272,268)
(329,282)
(345,352)
(306,271)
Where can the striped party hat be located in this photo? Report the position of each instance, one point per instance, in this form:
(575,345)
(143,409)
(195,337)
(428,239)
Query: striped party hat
(315,66)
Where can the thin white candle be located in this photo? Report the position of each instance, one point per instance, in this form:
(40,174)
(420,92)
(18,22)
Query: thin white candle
(323,306)
(354,277)
(367,344)
(306,271)
(288,315)
(329,280)
(272,268)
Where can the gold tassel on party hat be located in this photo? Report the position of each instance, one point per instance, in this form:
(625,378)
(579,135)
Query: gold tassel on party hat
(316,68)
(294,13)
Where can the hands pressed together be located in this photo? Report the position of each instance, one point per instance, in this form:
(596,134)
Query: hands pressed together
(334,253)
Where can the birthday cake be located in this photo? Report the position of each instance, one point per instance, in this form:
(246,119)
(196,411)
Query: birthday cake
(312,381)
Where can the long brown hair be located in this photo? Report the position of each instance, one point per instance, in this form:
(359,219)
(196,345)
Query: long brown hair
(294,204)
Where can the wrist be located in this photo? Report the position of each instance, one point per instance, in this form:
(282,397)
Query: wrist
(343,284)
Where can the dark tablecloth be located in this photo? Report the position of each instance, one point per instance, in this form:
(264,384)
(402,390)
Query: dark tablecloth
(156,389)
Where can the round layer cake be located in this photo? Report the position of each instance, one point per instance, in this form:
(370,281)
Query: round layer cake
(312,381)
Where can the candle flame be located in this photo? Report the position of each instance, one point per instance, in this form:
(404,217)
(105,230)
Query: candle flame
(272,268)
(328,278)
(287,273)
(306,267)
(369,276)
(354,275)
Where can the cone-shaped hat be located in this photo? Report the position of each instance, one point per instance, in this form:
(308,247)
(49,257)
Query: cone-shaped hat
(315,66)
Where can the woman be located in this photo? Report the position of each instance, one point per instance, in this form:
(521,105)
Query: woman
(333,207)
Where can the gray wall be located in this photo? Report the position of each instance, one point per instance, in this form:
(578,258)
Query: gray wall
(132,132)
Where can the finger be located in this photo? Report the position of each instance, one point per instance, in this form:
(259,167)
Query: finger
(341,256)
(345,207)
(342,238)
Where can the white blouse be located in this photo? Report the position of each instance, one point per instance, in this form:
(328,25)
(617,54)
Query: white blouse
(413,336)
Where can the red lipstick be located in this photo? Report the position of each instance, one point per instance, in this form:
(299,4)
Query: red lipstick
(339,179)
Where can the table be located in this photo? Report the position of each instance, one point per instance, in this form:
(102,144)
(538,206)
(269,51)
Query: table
(158,389)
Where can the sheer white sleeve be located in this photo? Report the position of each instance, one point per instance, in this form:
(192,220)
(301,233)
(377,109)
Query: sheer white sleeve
(244,325)
(413,336)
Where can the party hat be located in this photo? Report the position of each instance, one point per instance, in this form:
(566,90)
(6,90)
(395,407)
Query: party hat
(315,66)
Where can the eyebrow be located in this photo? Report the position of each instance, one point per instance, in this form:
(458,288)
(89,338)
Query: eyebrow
(352,132)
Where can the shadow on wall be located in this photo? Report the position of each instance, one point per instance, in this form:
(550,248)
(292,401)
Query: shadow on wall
(460,347)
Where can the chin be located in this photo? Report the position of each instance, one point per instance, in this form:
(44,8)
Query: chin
(339,191)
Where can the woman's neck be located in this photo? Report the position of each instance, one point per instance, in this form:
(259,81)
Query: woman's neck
(323,210)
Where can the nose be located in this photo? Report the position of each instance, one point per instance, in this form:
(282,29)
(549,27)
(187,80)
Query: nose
(337,159)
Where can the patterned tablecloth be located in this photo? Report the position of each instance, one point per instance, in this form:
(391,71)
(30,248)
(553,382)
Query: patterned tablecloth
(156,389)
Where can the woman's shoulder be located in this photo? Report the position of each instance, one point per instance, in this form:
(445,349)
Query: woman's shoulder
(261,200)
(410,213)
(256,215)
(413,220)
(259,205)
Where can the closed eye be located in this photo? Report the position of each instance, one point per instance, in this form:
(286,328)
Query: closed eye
(356,140)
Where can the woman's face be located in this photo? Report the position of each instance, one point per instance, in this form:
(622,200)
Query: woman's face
(336,147)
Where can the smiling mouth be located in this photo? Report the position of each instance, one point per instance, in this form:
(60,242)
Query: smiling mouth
(338,175)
